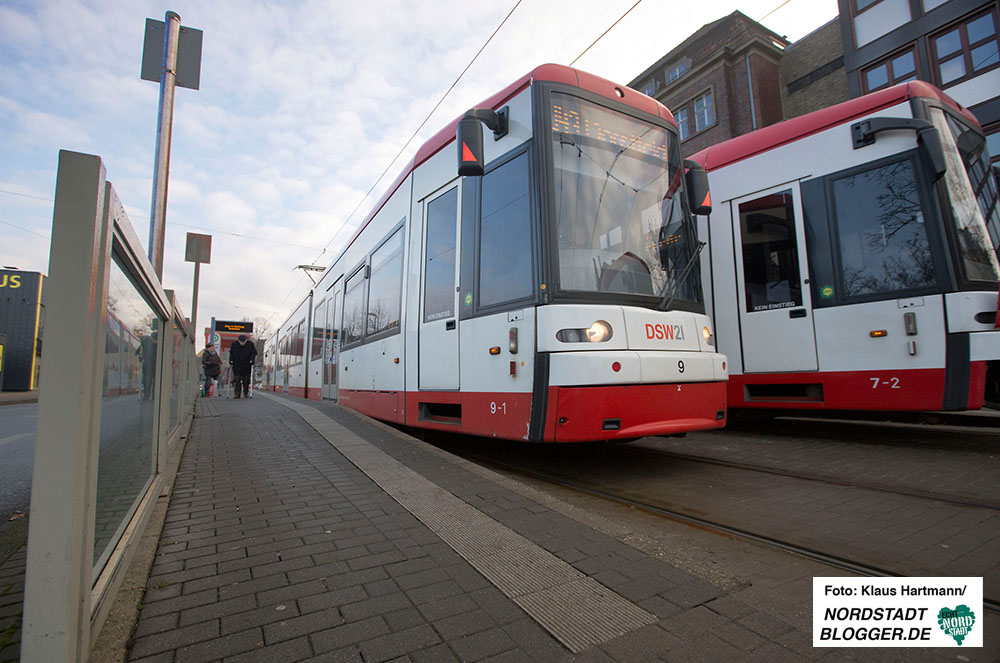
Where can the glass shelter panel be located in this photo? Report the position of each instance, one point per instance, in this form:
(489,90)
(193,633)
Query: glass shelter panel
(127,456)
(175,377)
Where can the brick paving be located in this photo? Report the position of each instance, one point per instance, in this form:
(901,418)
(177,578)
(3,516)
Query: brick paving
(11,601)
(277,548)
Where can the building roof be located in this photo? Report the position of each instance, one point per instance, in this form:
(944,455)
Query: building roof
(703,43)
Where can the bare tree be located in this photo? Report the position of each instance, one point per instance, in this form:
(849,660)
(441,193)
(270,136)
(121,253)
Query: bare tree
(262,327)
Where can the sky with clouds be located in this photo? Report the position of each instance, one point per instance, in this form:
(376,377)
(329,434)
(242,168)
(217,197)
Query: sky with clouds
(303,105)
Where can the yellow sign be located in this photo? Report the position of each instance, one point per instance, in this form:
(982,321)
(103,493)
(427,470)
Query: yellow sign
(13,282)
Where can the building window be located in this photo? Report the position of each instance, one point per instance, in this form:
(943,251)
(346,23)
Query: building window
(874,18)
(649,89)
(890,71)
(675,70)
(967,49)
(681,117)
(932,4)
(704,112)
(993,145)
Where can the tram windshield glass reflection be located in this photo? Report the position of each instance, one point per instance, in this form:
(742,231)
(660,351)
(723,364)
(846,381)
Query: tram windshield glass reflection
(622,221)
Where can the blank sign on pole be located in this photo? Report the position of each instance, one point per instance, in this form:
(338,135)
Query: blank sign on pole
(188,55)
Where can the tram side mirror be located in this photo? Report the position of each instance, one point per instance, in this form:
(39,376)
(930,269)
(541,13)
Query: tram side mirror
(469,137)
(696,180)
(470,147)
(929,144)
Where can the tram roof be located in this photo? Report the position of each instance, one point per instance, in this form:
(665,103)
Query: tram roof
(554,73)
(787,131)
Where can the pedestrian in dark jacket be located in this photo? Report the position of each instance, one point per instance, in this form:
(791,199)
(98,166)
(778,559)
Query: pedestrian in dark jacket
(242,355)
(211,362)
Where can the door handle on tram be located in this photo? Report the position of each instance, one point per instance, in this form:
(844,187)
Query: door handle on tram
(797,313)
(449,325)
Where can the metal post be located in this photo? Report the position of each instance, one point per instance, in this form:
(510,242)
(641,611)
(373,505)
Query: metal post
(194,303)
(168,81)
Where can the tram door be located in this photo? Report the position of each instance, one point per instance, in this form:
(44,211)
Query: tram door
(331,342)
(772,275)
(438,338)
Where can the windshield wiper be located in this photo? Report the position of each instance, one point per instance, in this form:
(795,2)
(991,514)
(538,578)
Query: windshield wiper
(668,296)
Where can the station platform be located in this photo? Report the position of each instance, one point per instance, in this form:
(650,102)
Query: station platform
(302,531)
(299,530)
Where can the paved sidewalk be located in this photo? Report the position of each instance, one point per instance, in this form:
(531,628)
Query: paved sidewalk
(301,531)
(16,397)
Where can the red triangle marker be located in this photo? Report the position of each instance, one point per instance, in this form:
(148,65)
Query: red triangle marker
(467,154)
(708,200)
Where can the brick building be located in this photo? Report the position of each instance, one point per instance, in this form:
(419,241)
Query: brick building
(812,72)
(734,75)
(950,43)
(720,82)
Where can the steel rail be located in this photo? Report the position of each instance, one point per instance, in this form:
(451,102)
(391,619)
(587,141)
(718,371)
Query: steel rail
(825,478)
(706,524)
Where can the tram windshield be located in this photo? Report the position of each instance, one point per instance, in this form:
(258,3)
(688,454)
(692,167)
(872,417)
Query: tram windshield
(622,219)
(972,196)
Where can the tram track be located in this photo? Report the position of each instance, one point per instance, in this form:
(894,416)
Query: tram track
(825,478)
(701,522)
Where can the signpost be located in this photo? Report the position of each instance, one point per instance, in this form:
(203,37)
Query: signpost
(199,250)
(171,56)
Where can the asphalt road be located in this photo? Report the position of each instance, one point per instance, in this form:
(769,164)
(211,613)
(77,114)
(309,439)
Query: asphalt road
(17,455)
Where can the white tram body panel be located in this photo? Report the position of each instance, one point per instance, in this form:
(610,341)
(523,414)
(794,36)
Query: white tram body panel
(801,330)
(492,355)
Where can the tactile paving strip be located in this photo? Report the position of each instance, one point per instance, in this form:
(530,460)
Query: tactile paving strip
(576,609)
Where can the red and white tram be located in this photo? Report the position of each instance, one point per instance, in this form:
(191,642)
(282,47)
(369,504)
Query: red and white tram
(852,257)
(555,297)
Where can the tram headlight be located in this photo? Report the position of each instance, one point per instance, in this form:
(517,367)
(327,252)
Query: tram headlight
(599,332)
(707,333)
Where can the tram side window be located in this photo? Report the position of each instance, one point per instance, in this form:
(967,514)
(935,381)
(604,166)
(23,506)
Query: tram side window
(505,272)
(354,308)
(880,230)
(384,298)
(770,253)
(439,262)
(298,343)
(317,332)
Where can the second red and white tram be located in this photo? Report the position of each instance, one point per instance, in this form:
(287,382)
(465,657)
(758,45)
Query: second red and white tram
(554,297)
(852,257)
